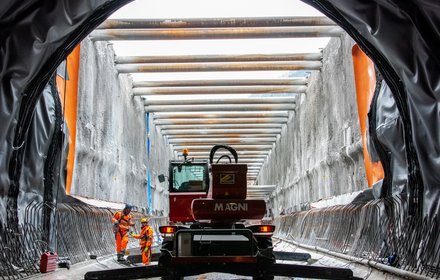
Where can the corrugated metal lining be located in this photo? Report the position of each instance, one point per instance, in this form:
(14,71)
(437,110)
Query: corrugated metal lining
(248,114)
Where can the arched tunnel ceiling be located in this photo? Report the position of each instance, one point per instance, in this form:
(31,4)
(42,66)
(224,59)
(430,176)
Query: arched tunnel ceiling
(240,96)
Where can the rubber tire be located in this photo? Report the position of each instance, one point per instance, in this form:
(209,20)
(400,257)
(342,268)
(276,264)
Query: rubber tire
(263,278)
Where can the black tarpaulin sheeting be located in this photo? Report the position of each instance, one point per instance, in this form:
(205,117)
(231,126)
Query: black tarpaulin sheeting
(386,143)
(403,39)
(35,36)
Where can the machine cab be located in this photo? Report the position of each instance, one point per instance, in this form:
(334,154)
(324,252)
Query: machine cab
(188,180)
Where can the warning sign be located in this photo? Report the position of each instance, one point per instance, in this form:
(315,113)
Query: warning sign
(227,179)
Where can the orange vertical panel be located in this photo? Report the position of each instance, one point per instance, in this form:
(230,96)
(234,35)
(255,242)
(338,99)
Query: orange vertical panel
(365,78)
(69,98)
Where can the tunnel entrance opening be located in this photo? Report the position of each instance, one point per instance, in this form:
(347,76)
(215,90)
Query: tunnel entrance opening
(418,217)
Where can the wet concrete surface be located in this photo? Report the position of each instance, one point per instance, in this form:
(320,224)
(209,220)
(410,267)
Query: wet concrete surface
(77,271)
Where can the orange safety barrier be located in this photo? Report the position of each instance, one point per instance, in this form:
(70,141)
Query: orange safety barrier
(365,78)
(68,90)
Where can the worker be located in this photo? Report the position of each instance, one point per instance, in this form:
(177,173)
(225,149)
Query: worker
(146,240)
(122,221)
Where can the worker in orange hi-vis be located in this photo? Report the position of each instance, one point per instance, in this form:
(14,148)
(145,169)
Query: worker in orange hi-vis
(146,240)
(122,221)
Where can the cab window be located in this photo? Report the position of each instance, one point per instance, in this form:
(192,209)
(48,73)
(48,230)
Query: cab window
(189,178)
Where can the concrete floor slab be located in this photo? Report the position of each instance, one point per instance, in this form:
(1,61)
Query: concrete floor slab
(77,271)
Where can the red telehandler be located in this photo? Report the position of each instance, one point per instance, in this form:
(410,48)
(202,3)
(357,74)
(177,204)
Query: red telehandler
(209,228)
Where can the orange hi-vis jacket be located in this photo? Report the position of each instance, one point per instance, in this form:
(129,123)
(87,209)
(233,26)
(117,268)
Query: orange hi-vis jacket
(146,236)
(124,221)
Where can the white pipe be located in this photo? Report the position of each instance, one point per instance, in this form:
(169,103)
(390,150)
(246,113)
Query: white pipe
(369,263)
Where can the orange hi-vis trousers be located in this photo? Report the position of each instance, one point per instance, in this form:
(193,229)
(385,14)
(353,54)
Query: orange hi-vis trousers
(146,254)
(121,241)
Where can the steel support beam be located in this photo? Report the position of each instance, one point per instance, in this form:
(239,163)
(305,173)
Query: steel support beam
(256,192)
(217,58)
(228,126)
(254,165)
(238,147)
(257,196)
(223,136)
(230,141)
(240,158)
(261,140)
(259,164)
(145,91)
(262,194)
(223,131)
(214,22)
(218,101)
(219,66)
(240,153)
(207,121)
(243,157)
(220,114)
(263,187)
(255,169)
(216,33)
(244,162)
(239,82)
(219,107)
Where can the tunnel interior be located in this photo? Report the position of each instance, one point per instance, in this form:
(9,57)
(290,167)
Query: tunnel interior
(343,146)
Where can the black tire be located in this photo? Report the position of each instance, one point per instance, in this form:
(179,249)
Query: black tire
(265,248)
(167,245)
(267,277)
(172,276)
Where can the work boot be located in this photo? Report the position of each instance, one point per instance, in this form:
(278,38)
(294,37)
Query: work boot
(120,257)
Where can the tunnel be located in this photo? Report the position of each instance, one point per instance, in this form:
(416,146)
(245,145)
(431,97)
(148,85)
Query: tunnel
(332,106)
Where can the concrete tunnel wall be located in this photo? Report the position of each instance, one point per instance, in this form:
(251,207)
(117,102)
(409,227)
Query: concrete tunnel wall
(160,154)
(319,154)
(111,158)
